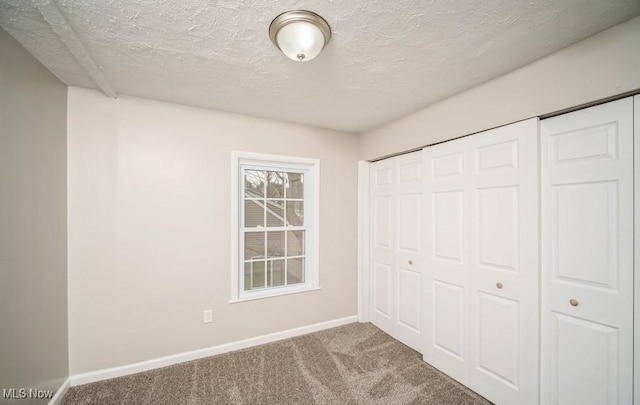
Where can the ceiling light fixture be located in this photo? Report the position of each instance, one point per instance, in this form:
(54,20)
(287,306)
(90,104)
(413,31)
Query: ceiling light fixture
(300,34)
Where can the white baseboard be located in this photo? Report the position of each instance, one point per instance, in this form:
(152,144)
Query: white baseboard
(134,368)
(59,396)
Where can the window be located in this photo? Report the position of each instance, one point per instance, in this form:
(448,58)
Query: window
(275,213)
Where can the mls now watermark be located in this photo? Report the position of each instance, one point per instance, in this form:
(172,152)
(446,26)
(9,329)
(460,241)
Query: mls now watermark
(26,393)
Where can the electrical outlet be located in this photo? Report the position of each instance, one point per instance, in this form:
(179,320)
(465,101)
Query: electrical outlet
(208,316)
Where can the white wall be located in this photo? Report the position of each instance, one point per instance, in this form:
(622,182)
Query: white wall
(149,228)
(33,223)
(604,65)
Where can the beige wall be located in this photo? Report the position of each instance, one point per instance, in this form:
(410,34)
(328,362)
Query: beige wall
(604,65)
(150,228)
(33,223)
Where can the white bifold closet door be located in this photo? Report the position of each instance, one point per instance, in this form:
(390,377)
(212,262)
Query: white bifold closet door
(396,247)
(481,277)
(587,256)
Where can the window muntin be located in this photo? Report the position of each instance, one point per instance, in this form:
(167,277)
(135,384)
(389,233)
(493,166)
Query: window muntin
(276,226)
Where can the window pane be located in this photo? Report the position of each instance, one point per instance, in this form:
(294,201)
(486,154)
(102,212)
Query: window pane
(295,185)
(254,275)
(254,183)
(295,213)
(295,273)
(275,244)
(295,243)
(275,185)
(275,273)
(247,276)
(253,245)
(253,213)
(275,213)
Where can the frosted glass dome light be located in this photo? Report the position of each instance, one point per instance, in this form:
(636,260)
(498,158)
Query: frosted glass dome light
(300,35)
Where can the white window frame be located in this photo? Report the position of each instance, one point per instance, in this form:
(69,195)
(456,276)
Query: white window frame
(269,162)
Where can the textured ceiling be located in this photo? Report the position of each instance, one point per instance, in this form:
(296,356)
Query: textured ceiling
(386,58)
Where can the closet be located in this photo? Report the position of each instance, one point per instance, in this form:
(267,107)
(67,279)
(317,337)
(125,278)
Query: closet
(507,257)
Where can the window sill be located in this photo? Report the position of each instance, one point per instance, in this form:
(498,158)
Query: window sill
(273,294)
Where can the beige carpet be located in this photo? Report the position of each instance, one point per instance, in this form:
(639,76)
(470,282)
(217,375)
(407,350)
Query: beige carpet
(352,364)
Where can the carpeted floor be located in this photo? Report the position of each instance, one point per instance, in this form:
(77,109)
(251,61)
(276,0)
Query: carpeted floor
(352,364)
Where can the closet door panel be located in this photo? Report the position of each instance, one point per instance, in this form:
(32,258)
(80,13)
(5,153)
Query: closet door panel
(409,300)
(409,230)
(396,247)
(447,211)
(382,291)
(587,224)
(498,226)
(383,228)
(481,261)
(497,338)
(585,261)
(586,349)
(504,272)
(447,341)
(445,281)
(409,241)
(408,250)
